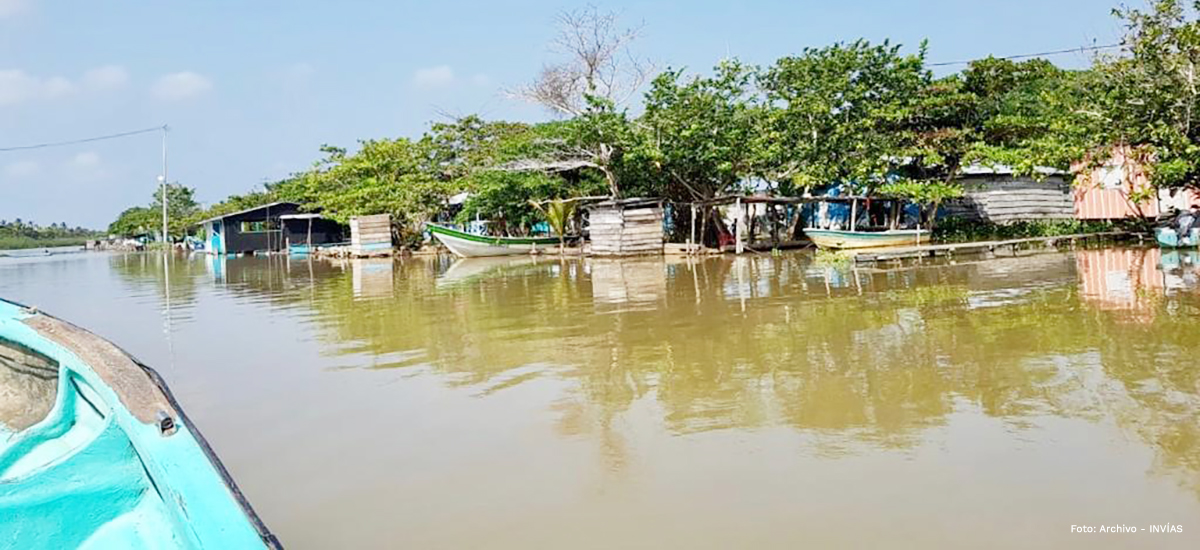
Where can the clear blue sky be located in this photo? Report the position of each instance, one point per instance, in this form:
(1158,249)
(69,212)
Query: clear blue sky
(251,89)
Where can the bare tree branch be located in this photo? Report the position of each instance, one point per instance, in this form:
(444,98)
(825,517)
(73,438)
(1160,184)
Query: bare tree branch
(598,63)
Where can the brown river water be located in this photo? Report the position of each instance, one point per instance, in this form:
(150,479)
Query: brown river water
(752,402)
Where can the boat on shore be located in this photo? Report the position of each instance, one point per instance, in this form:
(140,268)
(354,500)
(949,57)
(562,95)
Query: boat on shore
(1169,238)
(95,452)
(837,239)
(468,245)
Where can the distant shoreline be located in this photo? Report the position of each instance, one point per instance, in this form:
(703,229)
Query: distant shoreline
(25,243)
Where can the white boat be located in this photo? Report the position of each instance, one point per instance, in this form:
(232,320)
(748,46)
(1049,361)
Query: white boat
(467,245)
(839,239)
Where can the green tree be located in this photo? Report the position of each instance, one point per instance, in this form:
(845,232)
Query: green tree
(470,144)
(506,198)
(181,208)
(1149,99)
(136,220)
(400,177)
(1027,115)
(837,113)
(701,130)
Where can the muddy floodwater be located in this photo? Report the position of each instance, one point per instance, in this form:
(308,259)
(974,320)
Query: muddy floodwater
(752,402)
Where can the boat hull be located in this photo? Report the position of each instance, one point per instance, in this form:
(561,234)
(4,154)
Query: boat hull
(1169,238)
(99,454)
(466,245)
(841,240)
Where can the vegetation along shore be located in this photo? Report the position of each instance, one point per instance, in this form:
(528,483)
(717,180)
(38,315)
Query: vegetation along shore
(870,117)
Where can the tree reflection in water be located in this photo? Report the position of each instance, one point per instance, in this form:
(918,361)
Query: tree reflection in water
(854,359)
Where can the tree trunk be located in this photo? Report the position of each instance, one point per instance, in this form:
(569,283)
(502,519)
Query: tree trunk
(933,215)
(611,178)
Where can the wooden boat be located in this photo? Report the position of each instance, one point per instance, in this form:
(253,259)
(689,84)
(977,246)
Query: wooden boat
(1169,238)
(468,245)
(838,239)
(96,453)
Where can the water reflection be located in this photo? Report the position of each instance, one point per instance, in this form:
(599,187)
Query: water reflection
(854,361)
(636,283)
(373,278)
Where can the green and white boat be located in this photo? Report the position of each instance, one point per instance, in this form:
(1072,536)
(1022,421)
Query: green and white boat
(840,240)
(95,453)
(468,245)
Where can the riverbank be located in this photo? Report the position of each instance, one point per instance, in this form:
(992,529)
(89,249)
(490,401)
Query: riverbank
(976,247)
(25,243)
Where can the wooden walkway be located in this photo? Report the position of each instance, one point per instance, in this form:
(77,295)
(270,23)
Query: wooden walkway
(935,250)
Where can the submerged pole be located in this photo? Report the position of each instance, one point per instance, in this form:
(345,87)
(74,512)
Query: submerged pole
(163,185)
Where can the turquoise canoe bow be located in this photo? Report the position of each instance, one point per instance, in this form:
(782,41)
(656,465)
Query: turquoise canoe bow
(1169,238)
(95,453)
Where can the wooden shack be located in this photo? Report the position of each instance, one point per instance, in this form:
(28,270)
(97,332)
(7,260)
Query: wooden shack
(628,227)
(247,231)
(371,235)
(997,194)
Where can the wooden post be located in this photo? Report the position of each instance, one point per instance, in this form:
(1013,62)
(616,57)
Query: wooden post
(692,238)
(310,250)
(739,227)
(748,224)
(774,221)
(853,214)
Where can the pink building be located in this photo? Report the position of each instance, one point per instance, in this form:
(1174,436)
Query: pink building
(1107,192)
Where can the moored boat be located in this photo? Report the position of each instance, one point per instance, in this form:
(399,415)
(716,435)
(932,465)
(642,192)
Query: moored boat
(839,239)
(1169,238)
(96,453)
(468,245)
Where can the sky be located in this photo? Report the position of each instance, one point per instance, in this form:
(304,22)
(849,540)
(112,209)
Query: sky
(251,89)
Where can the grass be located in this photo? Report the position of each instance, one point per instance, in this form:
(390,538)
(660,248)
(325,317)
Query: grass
(957,230)
(833,258)
(19,243)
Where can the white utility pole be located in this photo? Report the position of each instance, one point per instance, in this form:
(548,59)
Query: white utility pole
(162,180)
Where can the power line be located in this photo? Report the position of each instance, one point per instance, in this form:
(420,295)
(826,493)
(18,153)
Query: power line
(84,140)
(1028,55)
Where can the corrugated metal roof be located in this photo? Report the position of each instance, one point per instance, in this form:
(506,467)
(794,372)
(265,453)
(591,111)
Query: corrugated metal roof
(260,207)
(1003,170)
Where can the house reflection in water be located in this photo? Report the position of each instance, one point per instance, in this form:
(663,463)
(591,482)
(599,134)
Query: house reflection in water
(216,267)
(373,278)
(1122,279)
(628,283)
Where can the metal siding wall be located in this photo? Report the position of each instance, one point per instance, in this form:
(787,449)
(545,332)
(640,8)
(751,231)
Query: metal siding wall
(237,242)
(1092,202)
(1005,199)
